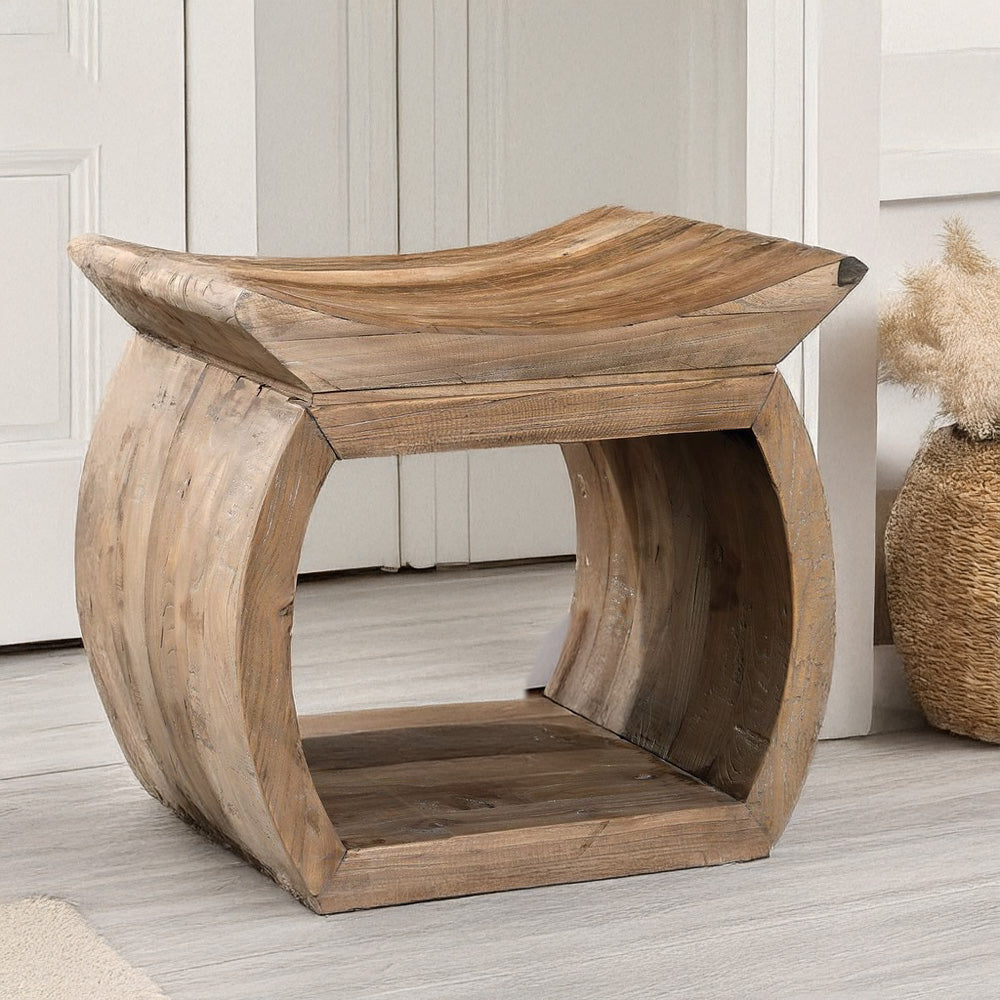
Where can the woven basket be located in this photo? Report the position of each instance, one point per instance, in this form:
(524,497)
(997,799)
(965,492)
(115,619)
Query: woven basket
(942,548)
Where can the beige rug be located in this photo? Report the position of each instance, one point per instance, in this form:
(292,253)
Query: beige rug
(49,952)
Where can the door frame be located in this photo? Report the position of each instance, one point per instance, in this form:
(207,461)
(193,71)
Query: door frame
(813,110)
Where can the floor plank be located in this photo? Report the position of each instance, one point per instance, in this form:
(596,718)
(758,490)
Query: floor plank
(886,883)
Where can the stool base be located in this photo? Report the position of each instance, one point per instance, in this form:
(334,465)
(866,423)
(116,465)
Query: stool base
(449,800)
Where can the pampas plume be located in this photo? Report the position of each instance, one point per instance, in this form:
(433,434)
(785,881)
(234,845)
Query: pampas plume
(942,333)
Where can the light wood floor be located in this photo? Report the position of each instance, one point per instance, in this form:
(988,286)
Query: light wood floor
(886,883)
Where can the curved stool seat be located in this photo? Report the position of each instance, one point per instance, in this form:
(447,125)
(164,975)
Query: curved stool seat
(678,726)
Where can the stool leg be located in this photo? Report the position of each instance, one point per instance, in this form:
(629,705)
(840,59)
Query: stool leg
(195,497)
(702,619)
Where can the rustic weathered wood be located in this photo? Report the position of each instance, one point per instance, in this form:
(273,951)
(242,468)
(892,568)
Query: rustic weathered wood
(694,675)
(406,421)
(702,623)
(610,291)
(678,638)
(452,799)
(385,720)
(788,454)
(195,496)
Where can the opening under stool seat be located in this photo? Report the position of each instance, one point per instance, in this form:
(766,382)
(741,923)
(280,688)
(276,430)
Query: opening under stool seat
(679,723)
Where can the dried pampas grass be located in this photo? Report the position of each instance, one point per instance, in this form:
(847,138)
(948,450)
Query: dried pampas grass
(942,333)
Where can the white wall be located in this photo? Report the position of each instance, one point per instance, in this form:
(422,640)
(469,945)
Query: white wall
(940,156)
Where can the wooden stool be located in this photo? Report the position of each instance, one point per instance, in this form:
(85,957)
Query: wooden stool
(679,723)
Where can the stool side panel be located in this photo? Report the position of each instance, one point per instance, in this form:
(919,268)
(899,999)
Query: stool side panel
(143,406)
(679,631)
(788,451)
(270,721)
(625,571)
(735,693)
(175,558)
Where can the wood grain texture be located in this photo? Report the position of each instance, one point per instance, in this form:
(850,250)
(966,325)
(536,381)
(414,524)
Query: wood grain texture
(611,291)
(697,662)
(693,623)
(191,309)
(193,505)
(454,799)
(407,421)
(385,721)
(787,452)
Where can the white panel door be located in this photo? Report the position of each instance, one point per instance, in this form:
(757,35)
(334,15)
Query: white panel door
(326,185)
(91,138)
(516,115)
(639,104)
(292,152)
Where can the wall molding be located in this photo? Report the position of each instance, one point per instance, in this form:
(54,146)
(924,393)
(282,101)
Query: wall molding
(489,48)
(433,95)
(940,100)
(83,34)
(66,437)
(908,174)
(774,174)
(917,26)
(372,126)
(841,203)
(74,29)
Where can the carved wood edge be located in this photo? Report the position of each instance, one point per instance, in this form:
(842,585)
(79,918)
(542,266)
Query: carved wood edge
(787,449)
